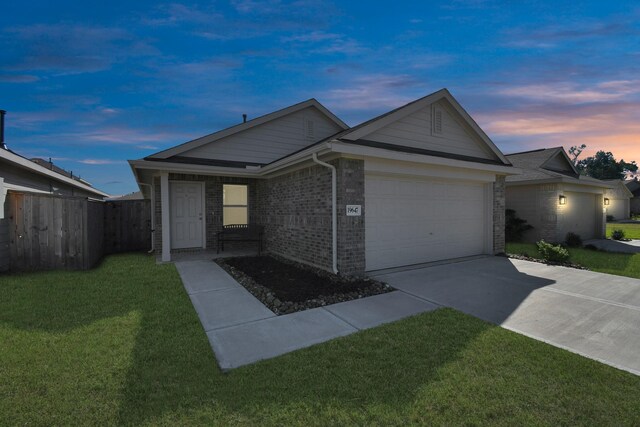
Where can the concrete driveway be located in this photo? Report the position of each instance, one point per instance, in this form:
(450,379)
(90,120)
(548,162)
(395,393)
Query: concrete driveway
(593,314)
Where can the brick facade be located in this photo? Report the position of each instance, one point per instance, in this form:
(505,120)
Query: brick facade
(351,231)
(295,209)
(499,201)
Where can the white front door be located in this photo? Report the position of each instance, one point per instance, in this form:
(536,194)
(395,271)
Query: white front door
(186,215)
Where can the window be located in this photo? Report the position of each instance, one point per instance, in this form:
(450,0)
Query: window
(234,204)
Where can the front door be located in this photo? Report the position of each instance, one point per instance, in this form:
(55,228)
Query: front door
(186,215)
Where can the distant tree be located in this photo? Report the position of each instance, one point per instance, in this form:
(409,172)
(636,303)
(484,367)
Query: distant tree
(575,151)
(604,166)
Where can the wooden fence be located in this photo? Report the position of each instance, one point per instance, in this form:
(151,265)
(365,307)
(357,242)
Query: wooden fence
(61,232)
(127,226)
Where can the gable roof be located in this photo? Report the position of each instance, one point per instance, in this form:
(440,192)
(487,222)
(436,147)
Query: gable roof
(534,166)
(36,168)
(541,158)
(634,186)
(360,131)
(207,139)
(620,183)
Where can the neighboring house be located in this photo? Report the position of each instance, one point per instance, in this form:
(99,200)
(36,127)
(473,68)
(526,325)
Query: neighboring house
(634,186)
(617,200)
(554,198)
(420,183)
(137,195)
(21,174)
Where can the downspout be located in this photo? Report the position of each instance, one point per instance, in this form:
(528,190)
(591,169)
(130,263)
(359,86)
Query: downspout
(334,213)
(152,217)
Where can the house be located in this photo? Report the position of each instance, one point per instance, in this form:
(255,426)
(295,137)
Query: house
(617,200)
(554,198)
(18,173)
(420,183)
(634,186)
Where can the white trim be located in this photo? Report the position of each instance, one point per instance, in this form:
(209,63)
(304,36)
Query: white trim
(203,206)
(400,168)
(560,180)
(34,167)
(346,148)
(153,215)
(166,220)
(3,195)
(199,142)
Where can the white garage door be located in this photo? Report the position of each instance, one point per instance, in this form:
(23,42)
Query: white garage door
(415,220)
(579,215)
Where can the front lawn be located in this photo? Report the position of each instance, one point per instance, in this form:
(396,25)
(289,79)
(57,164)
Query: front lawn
(604,262)
(123,345)
(631,231)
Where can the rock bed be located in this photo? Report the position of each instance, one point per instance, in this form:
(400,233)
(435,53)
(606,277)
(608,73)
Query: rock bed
(285,277)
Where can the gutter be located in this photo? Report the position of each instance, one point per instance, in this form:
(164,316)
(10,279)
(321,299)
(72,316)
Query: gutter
(334,213)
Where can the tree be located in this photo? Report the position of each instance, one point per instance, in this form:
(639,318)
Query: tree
(575,151)
(604,166)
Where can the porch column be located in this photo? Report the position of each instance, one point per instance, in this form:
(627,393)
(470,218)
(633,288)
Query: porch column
(166,223)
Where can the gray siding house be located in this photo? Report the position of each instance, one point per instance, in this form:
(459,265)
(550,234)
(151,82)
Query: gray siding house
(554,198)
(420,183)
(633,186)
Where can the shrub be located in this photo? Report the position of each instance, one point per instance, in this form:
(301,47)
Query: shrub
(552,253)
(610,218)
(514,227)
(617,234)
(573,240)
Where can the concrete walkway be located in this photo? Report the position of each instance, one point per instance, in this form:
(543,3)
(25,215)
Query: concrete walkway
(623,246)
(593,314)
(242,330)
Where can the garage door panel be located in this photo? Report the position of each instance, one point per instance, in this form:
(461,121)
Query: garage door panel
(414,220)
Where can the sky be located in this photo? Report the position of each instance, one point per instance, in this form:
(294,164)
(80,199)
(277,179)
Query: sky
(92,84)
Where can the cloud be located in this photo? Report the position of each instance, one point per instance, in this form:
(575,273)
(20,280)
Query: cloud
(18,78)
(379,90)
(72,48)
(99,161)
(574,93)
(551,36)
(147,147)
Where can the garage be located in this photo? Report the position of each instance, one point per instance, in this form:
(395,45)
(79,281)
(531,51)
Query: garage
(412,220)
(579,215)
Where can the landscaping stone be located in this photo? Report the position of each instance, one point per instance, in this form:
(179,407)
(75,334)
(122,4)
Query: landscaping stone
(269,298)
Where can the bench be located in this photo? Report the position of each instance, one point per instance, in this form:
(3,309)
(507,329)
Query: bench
(241,233)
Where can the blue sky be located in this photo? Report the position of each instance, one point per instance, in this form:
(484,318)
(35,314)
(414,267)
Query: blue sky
(96,83)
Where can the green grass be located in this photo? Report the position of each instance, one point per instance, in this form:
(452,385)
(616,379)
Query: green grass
(123,345)
(604,262)
(631,231)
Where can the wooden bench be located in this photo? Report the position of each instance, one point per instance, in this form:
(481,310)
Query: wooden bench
(241,233)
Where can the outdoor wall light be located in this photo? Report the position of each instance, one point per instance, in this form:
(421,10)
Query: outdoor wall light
(607,202)
(563,200)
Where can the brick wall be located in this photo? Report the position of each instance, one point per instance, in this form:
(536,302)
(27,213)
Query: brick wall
(295,209)
(351,249)
(499,200)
